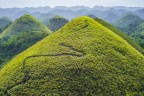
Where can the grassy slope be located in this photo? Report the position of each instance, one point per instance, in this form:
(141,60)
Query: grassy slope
(124,36)
(23,33)
(104,64)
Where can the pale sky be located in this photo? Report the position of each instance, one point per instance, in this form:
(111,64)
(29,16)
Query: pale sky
(52,3)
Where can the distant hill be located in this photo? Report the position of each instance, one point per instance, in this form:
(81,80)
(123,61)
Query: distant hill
(72,12)
(129,23)
(140,13)
(138,36)
(132,25)
(56,23)
(23,33)
(4,23)
(82,58)
(113,15)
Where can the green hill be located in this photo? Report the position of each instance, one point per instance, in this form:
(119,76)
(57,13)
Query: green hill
(138,36)
(83,58)
(23,33)
(133,26)
(4,23)
(124,36)
(129,23)
(141,27)
(56,23)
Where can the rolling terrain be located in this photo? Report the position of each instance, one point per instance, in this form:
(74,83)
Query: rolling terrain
(83,58)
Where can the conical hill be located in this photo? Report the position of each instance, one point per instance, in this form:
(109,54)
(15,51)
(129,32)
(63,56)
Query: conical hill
(83,58)
(20,35)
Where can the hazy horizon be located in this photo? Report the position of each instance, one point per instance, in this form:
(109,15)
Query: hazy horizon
(53,3)
(70,6)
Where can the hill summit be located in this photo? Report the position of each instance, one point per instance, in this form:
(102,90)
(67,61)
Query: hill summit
(82,58)
(25,24)
(20,35)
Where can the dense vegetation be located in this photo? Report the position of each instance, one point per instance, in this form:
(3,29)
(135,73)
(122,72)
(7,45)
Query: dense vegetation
(84,58)
(56,23)
(129,23)
(23,33)
(133,26)
(138,36)
(4,23)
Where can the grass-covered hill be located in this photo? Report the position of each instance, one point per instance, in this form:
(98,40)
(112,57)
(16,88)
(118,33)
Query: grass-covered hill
(20,35)
(83,58)
(4,23)
(124,36)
